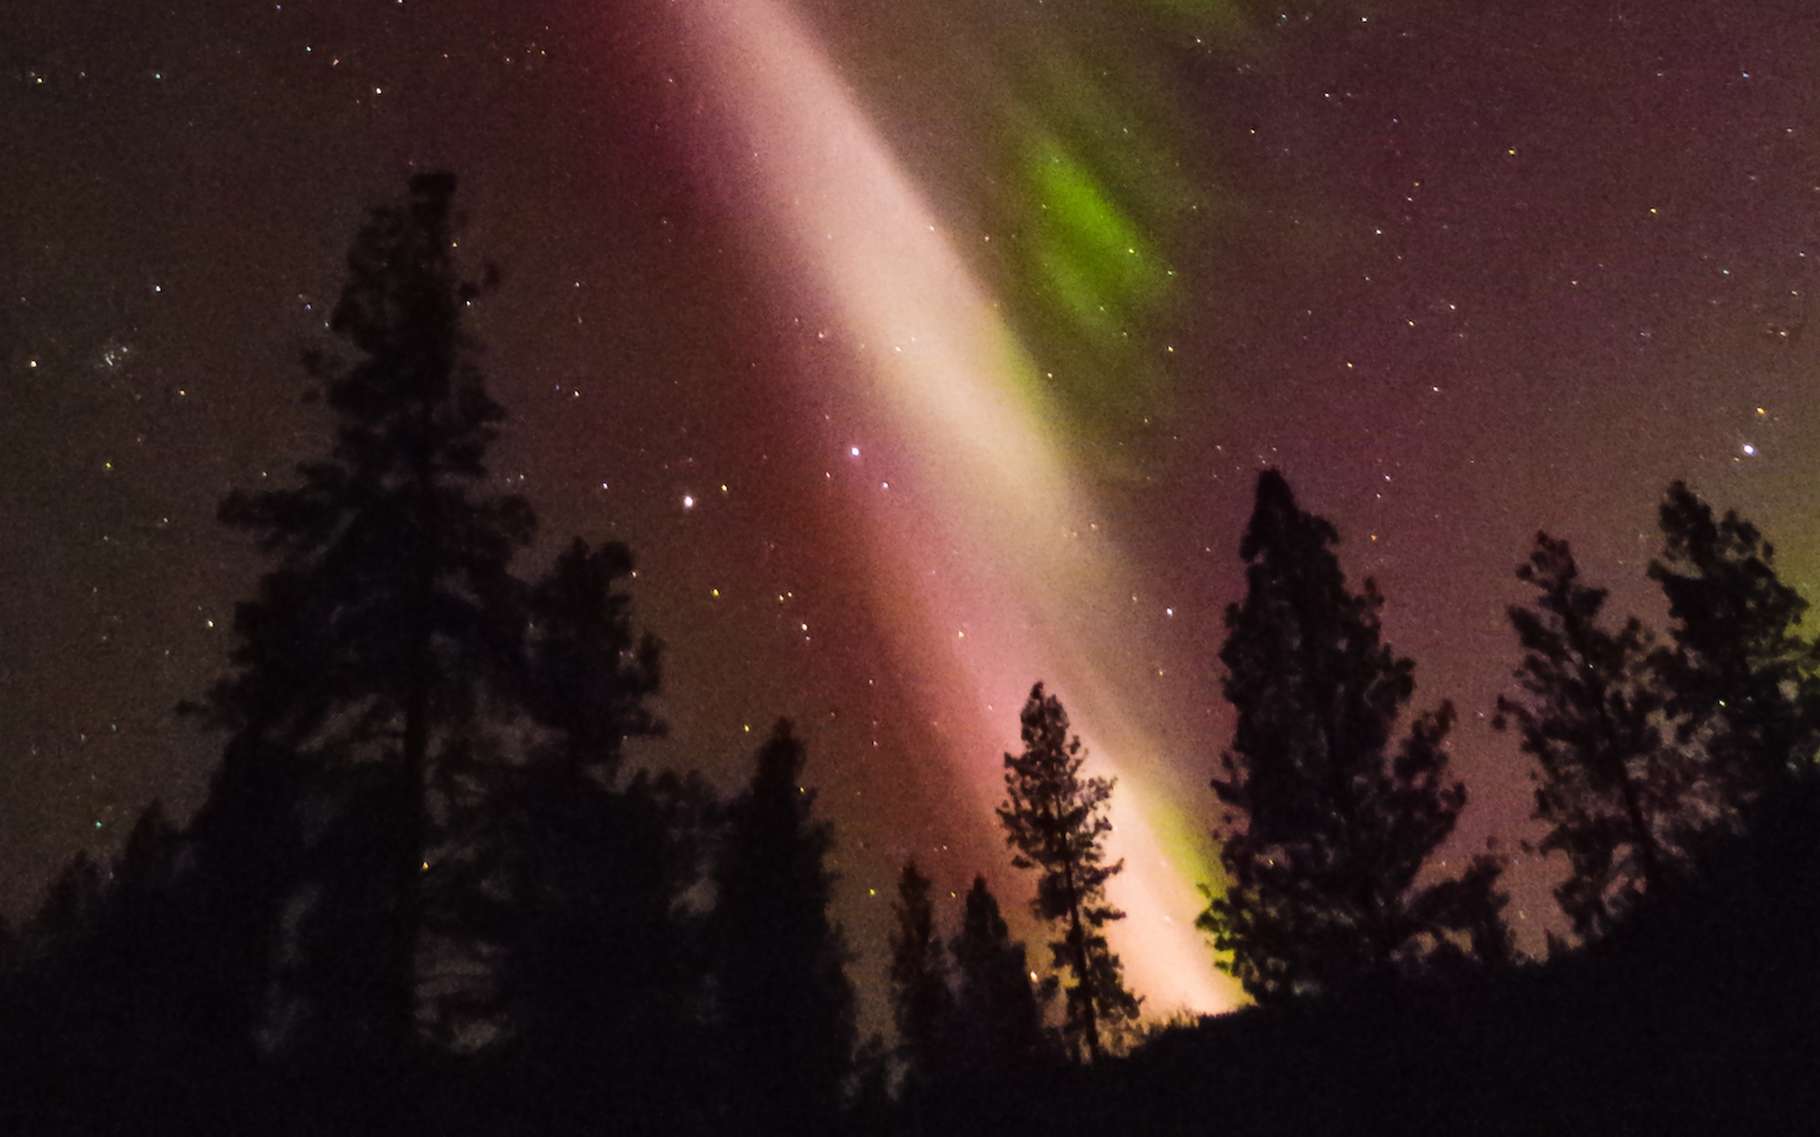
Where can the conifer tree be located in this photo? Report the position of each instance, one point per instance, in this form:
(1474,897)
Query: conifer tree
(590,678)
(922,1005)
(247,844)
(360,667)
(1743,685)
(1589,713)
(109,988)
(71,910)
(142,964)
(601,975)
(786,1006)
(998,1004)
(1326,828)
(578,879)
(573,876)
(1056,820)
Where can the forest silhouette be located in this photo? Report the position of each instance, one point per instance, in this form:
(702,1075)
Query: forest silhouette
(429,892)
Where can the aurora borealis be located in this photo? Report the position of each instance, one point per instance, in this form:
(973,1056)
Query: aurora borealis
(954,392)
(919,351)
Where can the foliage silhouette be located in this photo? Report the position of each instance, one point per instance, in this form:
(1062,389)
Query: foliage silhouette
(1336,830)
(106,988)
(998,1001)
(1741,682)
(786,1008)
(1612,794)
(574,880)
(1056,821)
(601,981)
(922,1005)
(363,660)
(589,678)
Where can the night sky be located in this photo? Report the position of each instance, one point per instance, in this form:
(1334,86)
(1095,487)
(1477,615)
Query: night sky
(919,350)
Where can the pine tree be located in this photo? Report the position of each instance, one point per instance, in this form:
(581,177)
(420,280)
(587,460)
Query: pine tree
(590,679)
(71,910)
(360,668)
(247,843)
(1335,829)
(1741,680)
(600,980)
(998,1004)
(579,879)
(142,963)
(922,1005)
(1590,715)
(110,987)
(1056,820)
(786,1006)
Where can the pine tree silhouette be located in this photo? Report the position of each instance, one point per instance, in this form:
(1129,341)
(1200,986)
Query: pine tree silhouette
(922,1005)
(579,880)
(600,987)
(786,1006)
(247,843)
(361,666)
(998,1003)
(108,987)
(1590,714)
(590,679)
(1742,683)
(1056,820)
(71,909)
(1335,829)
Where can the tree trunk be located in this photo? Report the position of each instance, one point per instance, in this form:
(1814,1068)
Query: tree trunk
(1082,973)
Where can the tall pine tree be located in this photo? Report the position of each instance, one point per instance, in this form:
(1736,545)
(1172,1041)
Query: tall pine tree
(578,879)
(1590,714)
(786,1006)
(1056,820)
(1326,827)
(998,1003)
(922,1006)
(360,668)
